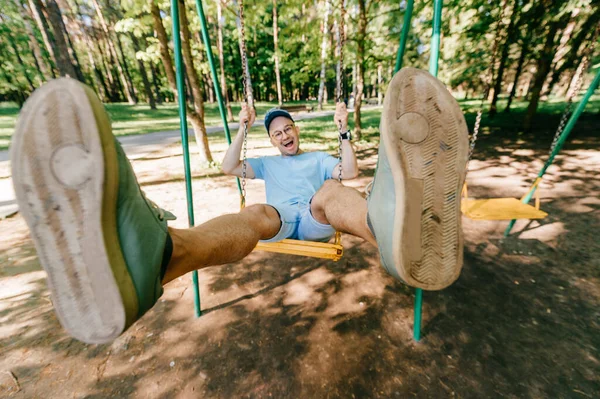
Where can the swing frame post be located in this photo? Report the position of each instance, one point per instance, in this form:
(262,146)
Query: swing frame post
(433,69)
(184,136)
(215,77)
(404,36)
(561,141)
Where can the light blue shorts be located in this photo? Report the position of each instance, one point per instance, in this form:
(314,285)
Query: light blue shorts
(298,223)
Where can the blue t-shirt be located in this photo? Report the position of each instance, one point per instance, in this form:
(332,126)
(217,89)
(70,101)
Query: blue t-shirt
(294,179)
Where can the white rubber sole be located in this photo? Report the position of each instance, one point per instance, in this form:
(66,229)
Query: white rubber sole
(59,177)
(426,142)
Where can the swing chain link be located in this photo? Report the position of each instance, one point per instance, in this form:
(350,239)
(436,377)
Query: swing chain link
(340,88)
(342,42)
(572,93)
(475,132)
(245,92)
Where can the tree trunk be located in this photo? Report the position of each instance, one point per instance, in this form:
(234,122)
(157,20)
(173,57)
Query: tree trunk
(165,56)
(155,82)
(36,8)
(222,61)
(142,68)
(196,117)
(520,63)
(63,61)
(573,55)
(72,52)
(115,92)
(113,52)
(130,85)
(275,41)
(322,77)
(360,67)
(543,68)
(510,35)
(45,72)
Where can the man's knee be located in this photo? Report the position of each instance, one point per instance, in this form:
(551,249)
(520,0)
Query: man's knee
(262,215)
(326,191)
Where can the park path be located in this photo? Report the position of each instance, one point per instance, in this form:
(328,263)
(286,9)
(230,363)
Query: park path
(135,146)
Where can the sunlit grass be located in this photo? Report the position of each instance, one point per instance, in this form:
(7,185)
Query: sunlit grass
(140,119)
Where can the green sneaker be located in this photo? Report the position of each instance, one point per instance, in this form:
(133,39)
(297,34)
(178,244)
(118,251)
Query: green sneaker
(414,204)
(103,244)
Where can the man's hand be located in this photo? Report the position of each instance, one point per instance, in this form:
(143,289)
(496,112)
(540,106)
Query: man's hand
(341,117)
(247,115)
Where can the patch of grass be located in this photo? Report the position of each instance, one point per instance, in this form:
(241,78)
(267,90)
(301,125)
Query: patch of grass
(140,119)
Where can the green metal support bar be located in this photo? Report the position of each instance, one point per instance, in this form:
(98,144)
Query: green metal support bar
(184,134)
(561,140)
(404,36)
(435,38)
(417,317)
(433,69)
(215,77)
(213,69)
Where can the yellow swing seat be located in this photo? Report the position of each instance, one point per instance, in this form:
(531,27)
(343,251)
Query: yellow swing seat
(322,250)
(502,208)
(313,249)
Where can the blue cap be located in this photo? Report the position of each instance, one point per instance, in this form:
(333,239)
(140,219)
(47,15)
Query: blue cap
(274,113)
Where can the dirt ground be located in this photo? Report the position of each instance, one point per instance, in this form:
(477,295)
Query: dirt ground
(522,321)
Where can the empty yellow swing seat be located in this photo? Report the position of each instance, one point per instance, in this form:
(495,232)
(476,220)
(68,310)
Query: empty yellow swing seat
(502,208)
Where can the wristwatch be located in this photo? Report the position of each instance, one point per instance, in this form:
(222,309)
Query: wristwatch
(347,135)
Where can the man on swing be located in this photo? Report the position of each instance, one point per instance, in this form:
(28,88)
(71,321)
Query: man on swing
(108,251)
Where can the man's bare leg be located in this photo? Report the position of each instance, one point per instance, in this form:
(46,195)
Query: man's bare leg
(344,208)
(225,239)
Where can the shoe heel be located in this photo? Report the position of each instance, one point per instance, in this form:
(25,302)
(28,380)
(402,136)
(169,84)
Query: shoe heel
(58,174)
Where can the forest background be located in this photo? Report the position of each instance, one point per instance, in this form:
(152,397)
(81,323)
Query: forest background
(514,50)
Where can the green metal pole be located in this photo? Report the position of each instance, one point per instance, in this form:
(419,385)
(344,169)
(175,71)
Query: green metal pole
(561,140)
(213,69)
(433,69)
(215,77)
(435,38)
(184,135)
(418,307)
(403,37)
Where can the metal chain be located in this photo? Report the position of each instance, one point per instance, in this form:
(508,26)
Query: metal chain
(342,42)
(342,36)
(488,85)
(572,93)
(245,91)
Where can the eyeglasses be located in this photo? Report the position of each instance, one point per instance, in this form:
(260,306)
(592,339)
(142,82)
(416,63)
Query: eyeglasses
(278,134)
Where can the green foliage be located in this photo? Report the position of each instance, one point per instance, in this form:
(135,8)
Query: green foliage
(474,34)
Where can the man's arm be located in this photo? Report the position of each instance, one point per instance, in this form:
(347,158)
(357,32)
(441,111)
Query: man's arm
(232,165)
(349,165)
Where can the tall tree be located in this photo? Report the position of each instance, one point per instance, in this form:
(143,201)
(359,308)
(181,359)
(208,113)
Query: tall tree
(220,23)
(196,117)
(113,53)
(510,37)
(543,68)
(143,73)
(37,10)
(45,70)
(63,61)
(361,34)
